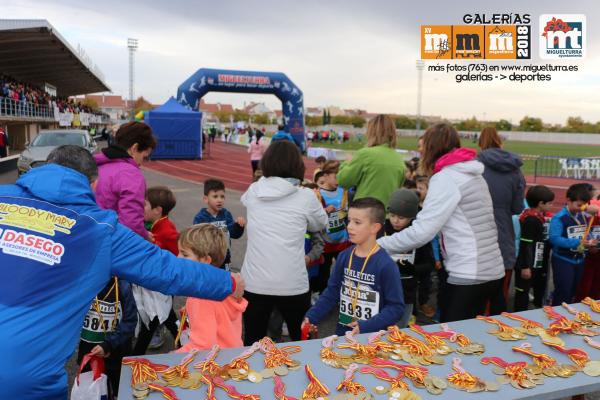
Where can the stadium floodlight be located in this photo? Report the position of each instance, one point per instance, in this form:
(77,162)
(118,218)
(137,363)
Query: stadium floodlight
(132,45)
(420,68)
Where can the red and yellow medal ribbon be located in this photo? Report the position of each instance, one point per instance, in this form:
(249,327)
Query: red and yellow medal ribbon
(315,387)
(142,370)
(166,392)
(540,359)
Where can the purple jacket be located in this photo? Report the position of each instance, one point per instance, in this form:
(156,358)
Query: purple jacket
(122,187)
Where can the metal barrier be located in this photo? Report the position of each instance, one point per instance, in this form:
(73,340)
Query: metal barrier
(20,109)
(567,167)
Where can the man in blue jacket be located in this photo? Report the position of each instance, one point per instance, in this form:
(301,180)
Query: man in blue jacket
(58,249)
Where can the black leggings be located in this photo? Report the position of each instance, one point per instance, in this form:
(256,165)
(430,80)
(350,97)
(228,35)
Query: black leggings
(146,334)
(468,301)
(254,164)
(258,312)
(523,286)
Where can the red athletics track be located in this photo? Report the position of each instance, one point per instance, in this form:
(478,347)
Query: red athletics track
(228,162)
(231,163)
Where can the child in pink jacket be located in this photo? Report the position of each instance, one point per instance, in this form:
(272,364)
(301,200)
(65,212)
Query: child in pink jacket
(256,150)
(210,322)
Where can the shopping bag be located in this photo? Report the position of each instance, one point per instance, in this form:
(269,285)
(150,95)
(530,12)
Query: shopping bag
(91,385)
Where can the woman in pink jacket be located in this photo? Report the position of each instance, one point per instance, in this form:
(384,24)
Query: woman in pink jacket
(257,149)
(121,184)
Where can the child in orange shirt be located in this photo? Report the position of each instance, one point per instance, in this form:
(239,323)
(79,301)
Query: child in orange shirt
(210,322)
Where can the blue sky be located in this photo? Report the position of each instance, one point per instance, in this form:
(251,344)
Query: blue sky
(354,54)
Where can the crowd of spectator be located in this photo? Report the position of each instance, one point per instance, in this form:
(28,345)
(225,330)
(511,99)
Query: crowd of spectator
(31,95)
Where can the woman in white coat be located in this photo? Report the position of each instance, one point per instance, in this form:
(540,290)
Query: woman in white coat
(280,212)
(458,206)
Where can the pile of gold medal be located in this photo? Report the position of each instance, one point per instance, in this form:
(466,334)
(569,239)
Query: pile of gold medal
(140,391)
(513,373)
(462,380)
(504,332)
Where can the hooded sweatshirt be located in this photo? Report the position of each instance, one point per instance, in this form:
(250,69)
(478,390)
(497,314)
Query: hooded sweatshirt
(121,187)
(459,205)
(58,250)
(279,215)
(507,187)
(214,322)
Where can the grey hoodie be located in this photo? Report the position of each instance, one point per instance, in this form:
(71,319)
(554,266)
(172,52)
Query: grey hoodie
(507,187)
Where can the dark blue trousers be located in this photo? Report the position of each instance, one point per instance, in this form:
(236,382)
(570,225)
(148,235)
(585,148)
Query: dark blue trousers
(566,277)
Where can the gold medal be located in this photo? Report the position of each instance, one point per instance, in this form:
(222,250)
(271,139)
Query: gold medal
(592,368)
(381,389)
(267,373)
(438,382)
(281,370)
(255,377)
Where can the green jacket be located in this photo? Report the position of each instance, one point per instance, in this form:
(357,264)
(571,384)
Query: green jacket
(374,171)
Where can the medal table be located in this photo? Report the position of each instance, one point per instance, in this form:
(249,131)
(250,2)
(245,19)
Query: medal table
(296,381)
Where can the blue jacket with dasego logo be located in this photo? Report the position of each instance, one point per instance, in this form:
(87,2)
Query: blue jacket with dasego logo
(58,249)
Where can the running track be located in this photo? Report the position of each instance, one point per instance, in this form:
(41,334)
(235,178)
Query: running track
(228,162)
(231,163)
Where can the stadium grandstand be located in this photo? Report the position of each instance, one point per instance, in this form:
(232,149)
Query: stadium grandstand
(39,73)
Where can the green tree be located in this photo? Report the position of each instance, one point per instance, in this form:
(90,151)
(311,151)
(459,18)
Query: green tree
(324,121)
(530,124)
(262,119)
(141,104)
(313,121)
(357,121)
(503,125)
(223,116)
(91,103)
(404,122)
(470,124)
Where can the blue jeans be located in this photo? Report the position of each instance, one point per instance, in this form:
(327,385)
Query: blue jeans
(566,277)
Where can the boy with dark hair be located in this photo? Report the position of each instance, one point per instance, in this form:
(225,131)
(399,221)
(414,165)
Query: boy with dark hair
(403,208)
(531,268)
(335,200)
(160,200)
(365,281)
(567,231)
(216,214)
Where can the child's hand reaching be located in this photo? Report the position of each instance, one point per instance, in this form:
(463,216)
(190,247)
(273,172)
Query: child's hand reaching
(307,260)
(526,273)
(240,221)
(329,209)
(99,351)
(312,329)
(355,327)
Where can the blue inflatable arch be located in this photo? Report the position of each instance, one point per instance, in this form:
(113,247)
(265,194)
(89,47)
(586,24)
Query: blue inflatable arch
(207,80)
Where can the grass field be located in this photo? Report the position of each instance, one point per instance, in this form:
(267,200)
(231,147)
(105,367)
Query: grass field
(525,149)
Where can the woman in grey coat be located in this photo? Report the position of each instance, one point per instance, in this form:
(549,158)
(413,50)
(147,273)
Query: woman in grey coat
(507,188)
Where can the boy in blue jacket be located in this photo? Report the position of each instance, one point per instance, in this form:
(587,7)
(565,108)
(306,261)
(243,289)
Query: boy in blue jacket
(365,281)
(216,214)
(108,329)
(567,230)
